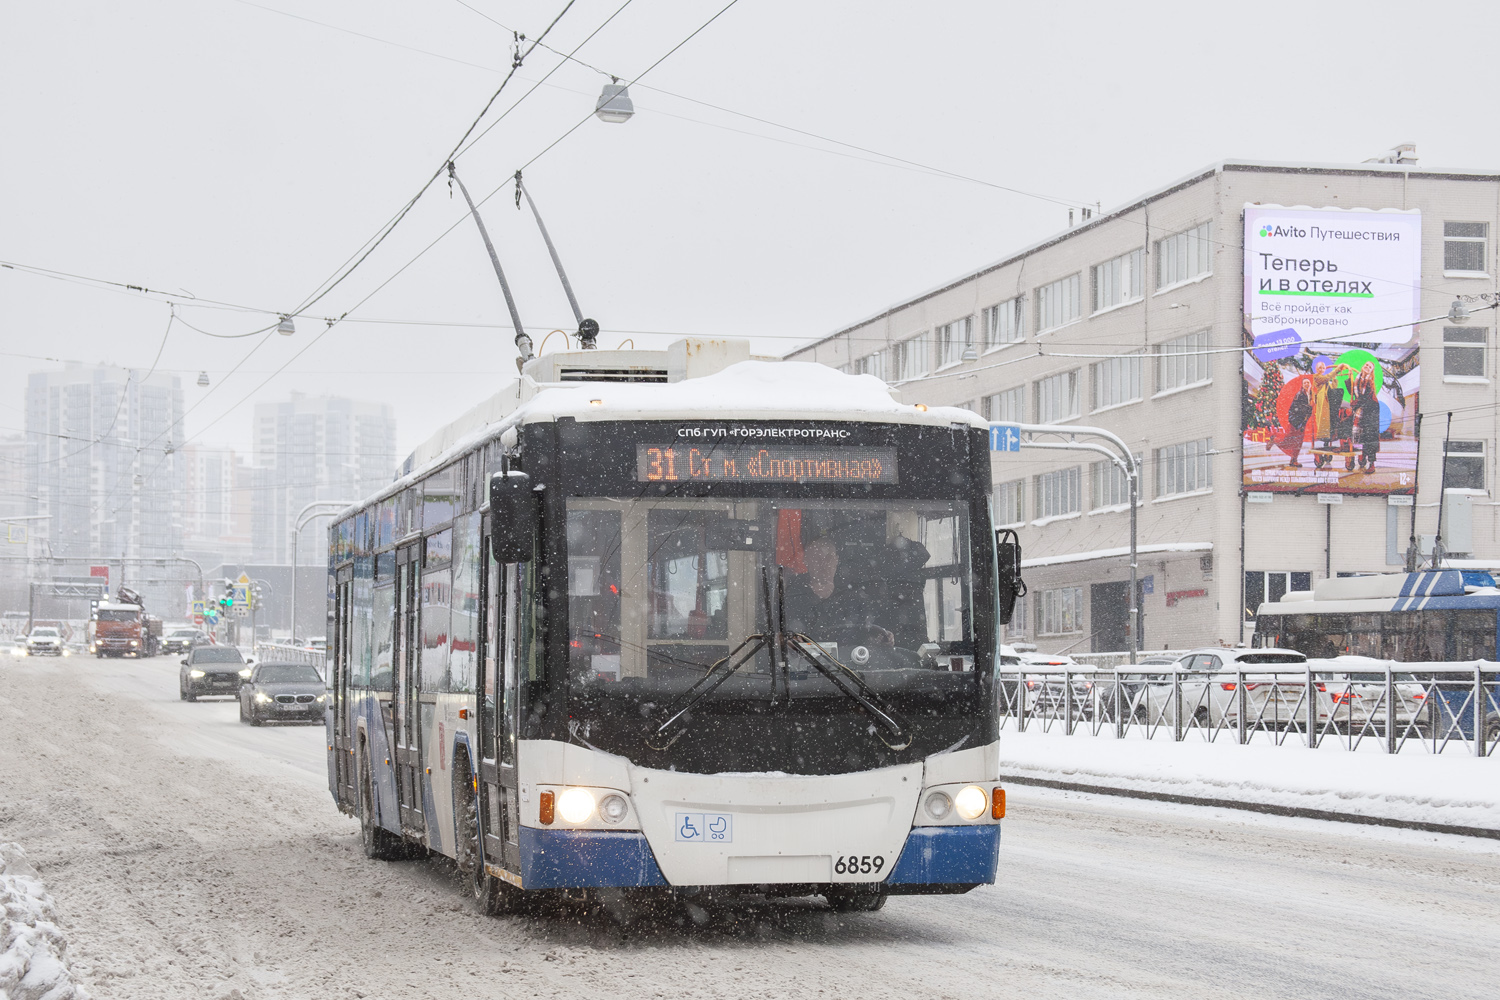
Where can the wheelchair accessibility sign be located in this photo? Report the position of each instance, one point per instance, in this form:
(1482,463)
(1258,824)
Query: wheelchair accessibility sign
(704,828)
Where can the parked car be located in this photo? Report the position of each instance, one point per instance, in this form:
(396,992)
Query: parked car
(1047,695)
(282,691)
(44,640)
(1208,687)
(1356,687)
(183,639)
(211,670)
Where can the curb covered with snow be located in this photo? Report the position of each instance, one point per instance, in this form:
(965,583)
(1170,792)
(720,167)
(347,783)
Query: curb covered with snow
(1446,792)
(33,950)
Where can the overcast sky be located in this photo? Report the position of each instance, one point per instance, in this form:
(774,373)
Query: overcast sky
(225,149)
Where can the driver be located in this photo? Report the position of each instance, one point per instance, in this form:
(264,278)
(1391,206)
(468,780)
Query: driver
(856,607)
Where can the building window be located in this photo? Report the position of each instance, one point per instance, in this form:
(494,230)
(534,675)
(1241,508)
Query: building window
(1117,381)
(953,338)
(1056,398)
(1003,323)
(1463,246)
(1181,362)
(1463,351)
(1463,465)
(1184,256)
(1017,624)
(1010,502)
(1268,588)
(913,358)
(1059,611)
(1111,486)
(1184,468)
(1006,407)
(1058,493)
(1058,304)
(876,364)
(1120,280)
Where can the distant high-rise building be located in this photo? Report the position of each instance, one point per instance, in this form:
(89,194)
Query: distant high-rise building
(102,461)
(314,448)
(216,504)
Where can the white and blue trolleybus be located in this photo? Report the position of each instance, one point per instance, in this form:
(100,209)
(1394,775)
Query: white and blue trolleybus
(676,621)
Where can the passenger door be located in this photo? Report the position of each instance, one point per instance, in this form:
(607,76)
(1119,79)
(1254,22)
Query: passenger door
(408,715)
(496,709)
(342,709)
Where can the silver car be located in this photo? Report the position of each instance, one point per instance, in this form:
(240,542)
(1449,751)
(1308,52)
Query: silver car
(1207,683)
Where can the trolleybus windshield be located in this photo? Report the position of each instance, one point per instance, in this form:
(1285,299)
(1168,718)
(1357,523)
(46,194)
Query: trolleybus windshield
(661,592)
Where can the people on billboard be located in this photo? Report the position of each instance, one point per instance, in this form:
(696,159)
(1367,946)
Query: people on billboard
(1299,413)
(1366,417)
(1326,398)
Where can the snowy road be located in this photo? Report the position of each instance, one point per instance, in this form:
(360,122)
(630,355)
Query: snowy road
(194,857)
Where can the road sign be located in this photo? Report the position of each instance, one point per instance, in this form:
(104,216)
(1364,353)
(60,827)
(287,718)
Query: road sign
(1005,437)
(197,608)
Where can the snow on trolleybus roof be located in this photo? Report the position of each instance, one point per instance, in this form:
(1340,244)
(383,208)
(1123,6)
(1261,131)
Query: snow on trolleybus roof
(669,386)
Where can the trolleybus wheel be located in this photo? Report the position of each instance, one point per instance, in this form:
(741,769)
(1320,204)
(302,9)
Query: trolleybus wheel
(493,895)
(379,843)
(853,900)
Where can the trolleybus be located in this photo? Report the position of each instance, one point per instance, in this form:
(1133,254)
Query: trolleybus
(677,620)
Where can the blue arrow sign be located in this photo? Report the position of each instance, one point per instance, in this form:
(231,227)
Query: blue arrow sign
(1005,437)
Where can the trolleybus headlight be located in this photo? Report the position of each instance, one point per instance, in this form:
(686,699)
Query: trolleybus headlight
(613,808)
(971,802)
(938,805)
(575,805)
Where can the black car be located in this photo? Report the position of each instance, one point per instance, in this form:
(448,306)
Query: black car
(211,670)
(183,639)
(282,691)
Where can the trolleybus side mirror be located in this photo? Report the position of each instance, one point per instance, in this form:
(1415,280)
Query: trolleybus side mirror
(513,514)
(1008,583)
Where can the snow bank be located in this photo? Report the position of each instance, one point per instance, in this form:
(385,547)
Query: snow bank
(33,951)
(1453,789)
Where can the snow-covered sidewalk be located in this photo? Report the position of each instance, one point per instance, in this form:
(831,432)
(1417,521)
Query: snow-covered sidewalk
(33,951)
(1449,789)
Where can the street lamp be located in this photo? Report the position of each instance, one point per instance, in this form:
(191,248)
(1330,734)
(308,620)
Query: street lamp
(286,327)
(614,104)
(299,524)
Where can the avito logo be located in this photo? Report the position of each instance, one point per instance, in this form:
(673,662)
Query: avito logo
(1271,229)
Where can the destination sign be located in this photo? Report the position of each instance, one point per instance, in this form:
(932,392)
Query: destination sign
(764,463)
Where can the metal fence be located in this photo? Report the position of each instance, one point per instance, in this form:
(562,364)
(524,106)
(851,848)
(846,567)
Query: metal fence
(1397,706)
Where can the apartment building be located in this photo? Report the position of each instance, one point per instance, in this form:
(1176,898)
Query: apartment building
(311,448)
(1141,320)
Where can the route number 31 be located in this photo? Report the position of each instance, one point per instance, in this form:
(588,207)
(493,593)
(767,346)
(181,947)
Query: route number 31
(862,865)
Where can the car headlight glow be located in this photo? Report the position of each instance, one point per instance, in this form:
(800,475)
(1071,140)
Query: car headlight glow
(938,805)
(322,698)
(135,642)
(262,698)
(195,674)
(576,805)
(971,802)
(613,808)
(245,673)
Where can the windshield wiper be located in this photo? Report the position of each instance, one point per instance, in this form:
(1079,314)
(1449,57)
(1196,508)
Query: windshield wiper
(679,710)
(853,687)
(719,672)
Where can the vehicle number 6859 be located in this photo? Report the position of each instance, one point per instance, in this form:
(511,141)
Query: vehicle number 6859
(858,865)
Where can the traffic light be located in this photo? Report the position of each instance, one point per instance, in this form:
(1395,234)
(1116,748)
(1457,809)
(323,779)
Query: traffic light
(226,602)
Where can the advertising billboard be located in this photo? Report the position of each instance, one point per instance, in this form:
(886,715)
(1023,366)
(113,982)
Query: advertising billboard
(1331,362)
